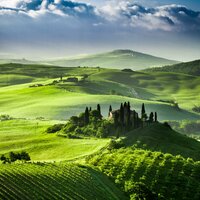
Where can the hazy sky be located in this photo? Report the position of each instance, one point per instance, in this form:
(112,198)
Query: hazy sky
(37,29)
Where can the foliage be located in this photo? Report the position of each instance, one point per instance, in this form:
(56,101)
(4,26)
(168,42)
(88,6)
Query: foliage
(55,128)
(5,117)
(24,156)
(196,109)
(150,175)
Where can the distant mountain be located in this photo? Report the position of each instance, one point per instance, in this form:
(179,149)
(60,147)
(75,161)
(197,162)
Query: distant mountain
(21,61)
(118,59)
(191,68)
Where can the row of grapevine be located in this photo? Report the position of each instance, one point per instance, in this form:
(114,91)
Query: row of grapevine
(55,181)
(170,177)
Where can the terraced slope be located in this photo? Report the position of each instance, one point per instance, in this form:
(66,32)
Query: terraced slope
(55,181)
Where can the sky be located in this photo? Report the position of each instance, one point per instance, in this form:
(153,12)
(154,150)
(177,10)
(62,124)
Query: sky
(48,29)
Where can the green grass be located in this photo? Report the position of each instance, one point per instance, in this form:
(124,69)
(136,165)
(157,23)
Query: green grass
(105,86)
(55,181)
(29,135)
(158,137)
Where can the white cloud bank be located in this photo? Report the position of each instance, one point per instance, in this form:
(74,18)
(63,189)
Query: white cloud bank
(166,18)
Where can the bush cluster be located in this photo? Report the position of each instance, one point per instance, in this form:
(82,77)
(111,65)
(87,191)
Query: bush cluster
(24,156)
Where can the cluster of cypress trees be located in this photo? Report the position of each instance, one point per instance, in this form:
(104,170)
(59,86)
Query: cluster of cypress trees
(124,117)
(96,113)
(130,119)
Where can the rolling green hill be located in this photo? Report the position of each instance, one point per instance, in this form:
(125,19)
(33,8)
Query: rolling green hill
(105,86)
(117,59)
(158,137)
(55,181)
(191,68)
(30,136)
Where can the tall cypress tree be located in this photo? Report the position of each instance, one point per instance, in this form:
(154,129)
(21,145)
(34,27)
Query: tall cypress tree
(143,112)
(99,108)
(110,110)
(121,114)
(86,116)
(128,114)
(151,116)
(156,117)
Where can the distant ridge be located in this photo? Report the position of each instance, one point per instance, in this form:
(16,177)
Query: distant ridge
(191,68)
(119,59)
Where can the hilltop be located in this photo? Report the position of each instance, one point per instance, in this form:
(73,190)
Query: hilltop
(117,59)
(191,68)
(161,137)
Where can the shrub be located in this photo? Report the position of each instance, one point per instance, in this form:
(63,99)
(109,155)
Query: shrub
(55,128)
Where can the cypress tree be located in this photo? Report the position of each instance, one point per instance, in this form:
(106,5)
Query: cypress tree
(99,108)
(110,110)
(86,116)
(156,117)
(151,117)
(90,109)
(143,112)
(121,114)
(128,115)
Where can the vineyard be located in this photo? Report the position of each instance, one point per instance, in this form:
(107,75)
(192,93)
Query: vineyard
(169,177)
(55,181)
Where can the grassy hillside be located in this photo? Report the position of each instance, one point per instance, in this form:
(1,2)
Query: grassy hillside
(167,176)
(158,137)
(105,86)
(55,181)
(117,59)
(192,68)
(30,136)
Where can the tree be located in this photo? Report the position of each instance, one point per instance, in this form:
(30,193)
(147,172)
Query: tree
(90,109)
(99,108)
(25,156)
(156,117)
(128,123)
(3,159)
(151,117)
(143,112)
(13,156)
(86,120)
(121,114)
(110,110)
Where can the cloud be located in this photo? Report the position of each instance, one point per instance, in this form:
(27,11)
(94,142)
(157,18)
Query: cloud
(165,18)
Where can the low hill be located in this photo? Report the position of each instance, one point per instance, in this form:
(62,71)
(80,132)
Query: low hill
(160,137)
(191,68)
(117,59)
(55,181)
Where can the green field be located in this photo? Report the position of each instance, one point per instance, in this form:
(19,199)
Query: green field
(30,135)
(105,86)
